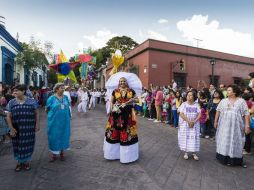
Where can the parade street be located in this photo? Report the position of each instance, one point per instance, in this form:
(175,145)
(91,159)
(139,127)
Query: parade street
(160,166)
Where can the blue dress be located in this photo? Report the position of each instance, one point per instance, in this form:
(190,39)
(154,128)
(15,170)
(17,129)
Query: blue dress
(58,123)
(23,120)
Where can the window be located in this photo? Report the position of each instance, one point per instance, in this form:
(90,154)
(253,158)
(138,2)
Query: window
(154,66)
(180,79)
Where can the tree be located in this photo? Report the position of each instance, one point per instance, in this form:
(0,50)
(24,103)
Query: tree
(52,77)
(33,55)
(124,43)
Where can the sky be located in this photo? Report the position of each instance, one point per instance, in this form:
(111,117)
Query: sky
(72,25)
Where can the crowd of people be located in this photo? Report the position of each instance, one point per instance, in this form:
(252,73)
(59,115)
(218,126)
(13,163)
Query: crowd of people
(223,114)
(19,117)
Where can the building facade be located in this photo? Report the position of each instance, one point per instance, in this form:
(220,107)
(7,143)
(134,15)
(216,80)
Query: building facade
(159,62)
(11,73)
(9,48)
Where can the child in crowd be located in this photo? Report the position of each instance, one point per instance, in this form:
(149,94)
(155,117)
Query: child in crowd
(174,109)
(203,119)
(145,109)
(165,111)
(138,106)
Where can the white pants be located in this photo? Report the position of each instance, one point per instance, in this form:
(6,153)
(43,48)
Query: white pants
(92,101)
(82,106)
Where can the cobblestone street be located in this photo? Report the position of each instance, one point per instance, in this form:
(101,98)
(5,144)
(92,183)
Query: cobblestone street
(160,166)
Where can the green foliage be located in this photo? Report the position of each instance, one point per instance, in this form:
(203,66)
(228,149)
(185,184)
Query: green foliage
(123,43)
(52,77)
(33,55)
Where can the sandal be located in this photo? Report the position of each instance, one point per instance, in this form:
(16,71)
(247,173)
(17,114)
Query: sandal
(62,158)
(195,157)
(186,157)
(27,166)
(244,165)
(53,158)
(18,167)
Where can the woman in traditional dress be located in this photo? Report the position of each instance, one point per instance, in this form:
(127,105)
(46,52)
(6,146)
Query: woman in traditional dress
(58,122)
(23,121)
(121,139)
(189,126)
(231,120)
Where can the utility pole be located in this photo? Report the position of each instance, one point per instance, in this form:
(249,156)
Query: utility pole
(198,40)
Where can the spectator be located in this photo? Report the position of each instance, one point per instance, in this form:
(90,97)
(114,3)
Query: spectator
(230,128)
(189,128)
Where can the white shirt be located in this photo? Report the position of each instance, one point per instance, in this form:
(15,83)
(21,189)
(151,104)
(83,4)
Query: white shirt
(174,87)
(93,94)
(98,94)
(84,96)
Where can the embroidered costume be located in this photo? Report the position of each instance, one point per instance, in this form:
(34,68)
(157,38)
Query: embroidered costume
(121,139)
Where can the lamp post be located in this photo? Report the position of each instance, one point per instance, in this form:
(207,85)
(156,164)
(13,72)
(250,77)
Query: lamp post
(213,62)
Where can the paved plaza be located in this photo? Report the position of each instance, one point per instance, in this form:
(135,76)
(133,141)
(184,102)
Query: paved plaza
(160,166)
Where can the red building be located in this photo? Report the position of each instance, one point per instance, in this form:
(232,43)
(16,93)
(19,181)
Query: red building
(159,62)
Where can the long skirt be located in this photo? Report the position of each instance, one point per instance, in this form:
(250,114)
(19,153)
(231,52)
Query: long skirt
(230,141)
(121,139)
(188,138)
(23,143)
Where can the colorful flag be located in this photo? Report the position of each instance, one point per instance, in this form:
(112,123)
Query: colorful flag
(93,61)
(62,57)
(71,76)
(83,70)
(57,59)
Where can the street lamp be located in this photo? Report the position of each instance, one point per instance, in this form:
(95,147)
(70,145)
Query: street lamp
(213,62)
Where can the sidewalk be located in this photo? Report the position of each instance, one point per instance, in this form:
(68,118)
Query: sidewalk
(160,166)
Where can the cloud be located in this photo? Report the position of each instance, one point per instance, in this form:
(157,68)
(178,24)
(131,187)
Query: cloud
(216,37)
(81,47)
(162,21)
(100,38)
(152,35)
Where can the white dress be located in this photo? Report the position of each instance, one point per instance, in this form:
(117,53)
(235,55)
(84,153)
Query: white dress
(188,138)
(230,137)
